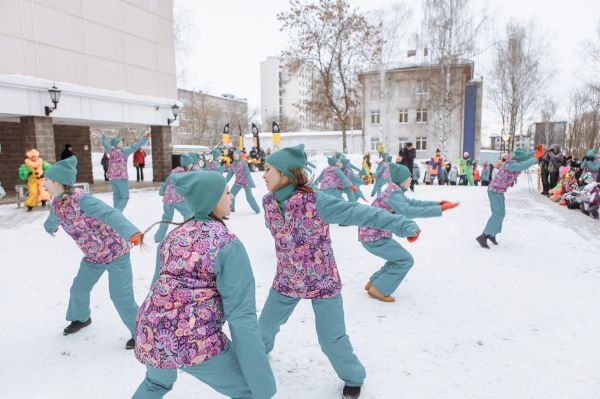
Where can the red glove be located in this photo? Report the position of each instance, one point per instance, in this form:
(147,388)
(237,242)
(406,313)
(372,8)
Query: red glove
(147,135)
(354,189)
(137,239)
(442,202)
(449,205)
(413,238)
(540,152)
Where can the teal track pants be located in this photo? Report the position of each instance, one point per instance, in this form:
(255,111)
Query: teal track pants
(120,189)
(398,262)
(119,286)
(249,197)
(331,331)
(222,373)
(494,224)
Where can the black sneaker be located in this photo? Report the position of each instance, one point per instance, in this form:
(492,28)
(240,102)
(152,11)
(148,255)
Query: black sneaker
(130,344)
(350,392)
(76,326)
(482,240)
(29,208)
(492,239)
(43,204)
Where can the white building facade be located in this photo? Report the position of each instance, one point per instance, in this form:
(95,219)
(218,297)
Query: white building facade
(114,62)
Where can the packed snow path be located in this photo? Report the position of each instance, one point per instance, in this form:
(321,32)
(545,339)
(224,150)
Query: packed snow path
(520,320)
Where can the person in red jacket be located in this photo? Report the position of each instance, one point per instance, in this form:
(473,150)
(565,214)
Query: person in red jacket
(139,161)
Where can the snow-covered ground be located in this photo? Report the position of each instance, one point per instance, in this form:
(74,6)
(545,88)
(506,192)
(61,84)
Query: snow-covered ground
(520,320)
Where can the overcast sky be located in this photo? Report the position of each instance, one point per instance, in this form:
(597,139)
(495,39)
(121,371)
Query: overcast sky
(230,38)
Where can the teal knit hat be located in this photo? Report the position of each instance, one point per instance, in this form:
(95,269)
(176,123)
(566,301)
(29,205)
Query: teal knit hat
(287,159)
(591,154)
(520,155)
(186,160)
(387,157)
(115,141)
(331,161)
(216,153)
(201,190)
(399,173)
(63,172)
(340,155)
(194,156)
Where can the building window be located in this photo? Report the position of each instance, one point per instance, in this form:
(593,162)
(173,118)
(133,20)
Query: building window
(422,115)
(375,117)
(185,130)
(402,142)
(421,143)
(403,118)
(374,143)
(422,87)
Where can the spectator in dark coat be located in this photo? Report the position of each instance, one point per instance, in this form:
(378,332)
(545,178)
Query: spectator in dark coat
(555,161)
(408,159)
(104,163)
(67,152)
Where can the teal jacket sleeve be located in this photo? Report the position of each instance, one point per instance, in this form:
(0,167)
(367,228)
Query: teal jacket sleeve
(105,143)
(229,173)
(127,151)
(347,183)
(412,208)
(333,210)
(248,175)
(163,186)
(235,283)
(109,215)
(593,166)
(521,166)
(51,224)
(379,170)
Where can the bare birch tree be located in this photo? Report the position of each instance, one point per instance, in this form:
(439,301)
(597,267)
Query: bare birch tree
(519,75)
(450,30)
(336,40)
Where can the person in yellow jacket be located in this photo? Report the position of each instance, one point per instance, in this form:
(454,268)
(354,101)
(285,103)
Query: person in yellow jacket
(33,171)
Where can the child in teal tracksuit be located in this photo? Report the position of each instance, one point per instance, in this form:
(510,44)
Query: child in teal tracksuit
(349,169)
(382,174)
(298,219)
(214,164)
(333,181)
(171,200)
(104,236)
(243,180)
(205,280)
(505,178)
(380,243)
(117,167)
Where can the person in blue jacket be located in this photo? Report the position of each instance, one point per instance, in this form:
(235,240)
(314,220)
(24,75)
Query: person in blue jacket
(380,243)
(104,236)
(333,181)
(243,180)
(382,174)
(504,179)
(205,280)
(298,219)
(117,167)
(591,164)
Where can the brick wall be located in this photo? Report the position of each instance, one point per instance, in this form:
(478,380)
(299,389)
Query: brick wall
(12,154)
(161,152)
(38,132)
(79,138)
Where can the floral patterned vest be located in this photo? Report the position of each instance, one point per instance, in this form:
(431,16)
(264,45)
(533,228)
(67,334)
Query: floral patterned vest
(211,165)
(240,174)
(366,234)
(117,165)
(330,179)
(180,322)
(504,179)
(305,263)
(385,173)
(171,196)
(98,241)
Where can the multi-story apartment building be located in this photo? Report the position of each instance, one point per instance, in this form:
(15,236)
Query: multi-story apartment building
(203,116)
(406,110)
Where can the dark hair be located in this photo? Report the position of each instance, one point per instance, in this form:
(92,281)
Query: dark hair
(301,181)
(409,144)
(67,146)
